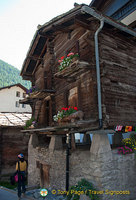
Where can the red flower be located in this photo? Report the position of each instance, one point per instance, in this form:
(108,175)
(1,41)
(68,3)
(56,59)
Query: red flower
(63,108)
(62,57)
(70,54)
(60,61)
(75,108)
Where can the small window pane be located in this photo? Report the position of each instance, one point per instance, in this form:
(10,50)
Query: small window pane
(23,106)
(17,103)
(17,94)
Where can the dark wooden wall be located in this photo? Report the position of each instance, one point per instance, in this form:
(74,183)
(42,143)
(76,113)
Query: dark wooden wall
(118,67)
(118,70)
(13,142)
(78,41)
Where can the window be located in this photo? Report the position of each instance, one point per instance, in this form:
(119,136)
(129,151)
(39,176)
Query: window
(17,103)
(17,94)
(24,95)
(23,106)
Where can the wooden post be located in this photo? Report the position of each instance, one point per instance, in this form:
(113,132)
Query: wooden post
(73,144)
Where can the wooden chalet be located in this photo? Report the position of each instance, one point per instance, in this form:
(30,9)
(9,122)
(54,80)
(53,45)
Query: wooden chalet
(101,84)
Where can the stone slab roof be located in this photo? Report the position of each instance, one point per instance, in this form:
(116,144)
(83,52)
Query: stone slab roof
(14,119)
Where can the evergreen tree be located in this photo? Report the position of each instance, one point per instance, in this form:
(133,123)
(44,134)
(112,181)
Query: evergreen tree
(10,75)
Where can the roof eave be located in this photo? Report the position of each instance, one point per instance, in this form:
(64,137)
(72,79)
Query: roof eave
(43,28)
(108,20)
(55,21)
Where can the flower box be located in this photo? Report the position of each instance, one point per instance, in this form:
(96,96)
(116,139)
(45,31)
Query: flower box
(68,115)
(73,70)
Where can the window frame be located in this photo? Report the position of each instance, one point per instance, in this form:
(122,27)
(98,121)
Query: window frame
(17,105)
(17,94)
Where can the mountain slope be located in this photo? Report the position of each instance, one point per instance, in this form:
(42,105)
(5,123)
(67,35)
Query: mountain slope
(10,75)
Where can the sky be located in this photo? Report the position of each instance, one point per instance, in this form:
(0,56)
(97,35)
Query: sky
(18,23)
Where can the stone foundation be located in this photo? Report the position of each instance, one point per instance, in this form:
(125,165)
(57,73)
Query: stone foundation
(106,169)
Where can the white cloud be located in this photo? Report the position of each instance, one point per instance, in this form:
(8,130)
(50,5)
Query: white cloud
(19,24)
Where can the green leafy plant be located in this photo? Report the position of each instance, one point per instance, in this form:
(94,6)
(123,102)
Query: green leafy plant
(64,113)
(29,123)
(83,187)
(8,185)
(66,61)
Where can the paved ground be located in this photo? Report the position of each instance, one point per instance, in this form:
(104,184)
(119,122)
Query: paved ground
(6,194)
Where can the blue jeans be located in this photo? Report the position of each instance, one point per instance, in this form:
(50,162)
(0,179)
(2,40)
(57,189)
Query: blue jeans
(21,183)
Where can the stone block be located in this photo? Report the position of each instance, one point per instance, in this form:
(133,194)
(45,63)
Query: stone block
(55,143)
(100,144)
(34,140)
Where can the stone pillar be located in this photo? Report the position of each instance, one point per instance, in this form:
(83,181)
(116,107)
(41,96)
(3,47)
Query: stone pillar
(34,140)
(100,144)
(101,160)
(33,171)
(55,143)
(87,139)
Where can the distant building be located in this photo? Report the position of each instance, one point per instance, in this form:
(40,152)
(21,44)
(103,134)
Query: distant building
(123,11)
(11,125)
(10,96)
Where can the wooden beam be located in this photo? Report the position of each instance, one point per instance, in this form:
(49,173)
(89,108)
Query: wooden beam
(60,20)
(83,23)
(43,50)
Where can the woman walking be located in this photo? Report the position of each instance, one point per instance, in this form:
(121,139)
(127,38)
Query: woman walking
(21,167)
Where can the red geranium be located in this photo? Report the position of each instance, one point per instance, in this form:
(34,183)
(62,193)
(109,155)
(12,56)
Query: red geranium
(65,61)
(62,57)
(70,54)
(60,61)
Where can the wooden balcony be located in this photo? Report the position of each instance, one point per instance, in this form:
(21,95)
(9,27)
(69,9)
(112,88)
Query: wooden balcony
(80,126)
(37,95)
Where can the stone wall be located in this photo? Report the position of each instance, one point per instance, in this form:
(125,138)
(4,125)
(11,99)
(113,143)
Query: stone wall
(106,169)
(12,143)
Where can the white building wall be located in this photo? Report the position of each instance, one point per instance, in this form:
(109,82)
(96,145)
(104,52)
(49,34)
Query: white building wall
(8,100)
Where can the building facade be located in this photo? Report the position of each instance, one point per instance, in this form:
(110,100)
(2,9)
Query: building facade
(9,99)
